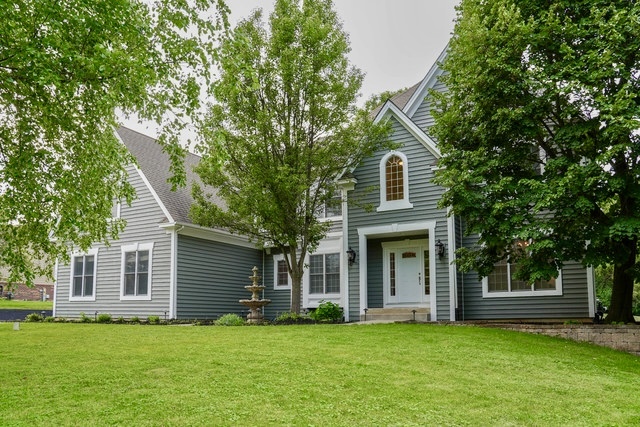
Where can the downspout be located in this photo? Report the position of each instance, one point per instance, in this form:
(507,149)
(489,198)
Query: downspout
(173,274)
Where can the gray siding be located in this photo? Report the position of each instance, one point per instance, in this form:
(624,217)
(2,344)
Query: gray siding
(211,277)
(143,219)
(422,117)
(422,193)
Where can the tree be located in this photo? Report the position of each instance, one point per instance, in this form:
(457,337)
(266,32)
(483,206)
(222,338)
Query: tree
(539,136)
(283,130)
(65,67)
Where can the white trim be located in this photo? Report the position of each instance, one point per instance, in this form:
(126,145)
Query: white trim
(277,258)
(94,253)
(364,233)
(55,287)
(344,273)
(389,108)
(404,203)
(427,83)
(453,276)
(216,235)
(591,291)
(173,274)
(518,294)
(148,185)
(135,247)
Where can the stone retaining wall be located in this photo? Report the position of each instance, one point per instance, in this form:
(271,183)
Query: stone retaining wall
(619,337)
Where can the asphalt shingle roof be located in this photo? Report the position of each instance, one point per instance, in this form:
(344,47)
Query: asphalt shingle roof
(154,164)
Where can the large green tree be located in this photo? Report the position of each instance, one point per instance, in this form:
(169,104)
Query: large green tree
(539,136)
(283,129)
(66,68)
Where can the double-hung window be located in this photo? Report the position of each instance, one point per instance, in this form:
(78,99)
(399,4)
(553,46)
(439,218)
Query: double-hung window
(324,274)
(83,276)
(136,271)
(281,278)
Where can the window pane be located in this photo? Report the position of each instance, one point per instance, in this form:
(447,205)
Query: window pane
(283,273)
(77,286)
(333,207)
(88,286)
(392,274)
(77,266)
(143,280)
(88,264)
(499,278)
(315,284)
(333,263)
(316,264)
(130,262)
(545,284)
(143,261)
(394,178)
(332,269)
(130,284)
(427,276)
(518,285)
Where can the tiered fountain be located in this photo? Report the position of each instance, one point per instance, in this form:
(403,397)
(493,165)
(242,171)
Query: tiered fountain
(255,304)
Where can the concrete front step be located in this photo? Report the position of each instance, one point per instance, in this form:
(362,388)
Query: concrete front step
(422,314)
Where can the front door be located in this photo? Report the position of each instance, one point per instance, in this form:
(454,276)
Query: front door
(406,273)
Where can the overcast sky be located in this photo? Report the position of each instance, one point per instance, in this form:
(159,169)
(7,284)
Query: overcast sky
(394,42)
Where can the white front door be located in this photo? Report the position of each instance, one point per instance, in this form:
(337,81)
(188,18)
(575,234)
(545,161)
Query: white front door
(406,273)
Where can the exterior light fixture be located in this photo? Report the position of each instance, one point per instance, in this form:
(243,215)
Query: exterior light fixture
(440,249)
(351,256)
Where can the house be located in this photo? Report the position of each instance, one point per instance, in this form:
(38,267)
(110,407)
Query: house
(162,264)
(396,261)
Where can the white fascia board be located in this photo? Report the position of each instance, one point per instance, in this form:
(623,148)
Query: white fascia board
(205,233)
(389,108)
(165,211)
(427,83)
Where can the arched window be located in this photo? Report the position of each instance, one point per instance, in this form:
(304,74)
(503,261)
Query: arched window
(394,182)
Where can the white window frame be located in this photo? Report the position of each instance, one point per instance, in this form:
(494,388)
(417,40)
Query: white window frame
(91,252)
(117,210)
(517,294)
(332,244)
(324,274)
(277,258)
(135,248)
(325,217)
(388,205)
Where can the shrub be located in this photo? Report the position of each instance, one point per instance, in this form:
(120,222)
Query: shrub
(230,319)
(289,318)
(154,320)
(103,318)
(119,320)
(49,319)
(33,317)
(327,311)
(84,318)
(135,319)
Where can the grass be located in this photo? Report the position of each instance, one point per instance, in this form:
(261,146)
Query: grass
(14,304)
(315,375)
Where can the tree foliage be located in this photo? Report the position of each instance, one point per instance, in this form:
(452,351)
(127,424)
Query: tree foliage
(539,136)
(284,128)
(65,67)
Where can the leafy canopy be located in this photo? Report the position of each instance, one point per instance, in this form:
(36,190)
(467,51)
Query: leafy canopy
(539,133)
(283,129)
(65,67)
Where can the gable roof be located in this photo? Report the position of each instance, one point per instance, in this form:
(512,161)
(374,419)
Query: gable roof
(154,165)
(399,99)
(420,93)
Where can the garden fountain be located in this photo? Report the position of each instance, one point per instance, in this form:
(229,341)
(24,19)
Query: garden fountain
(255,304)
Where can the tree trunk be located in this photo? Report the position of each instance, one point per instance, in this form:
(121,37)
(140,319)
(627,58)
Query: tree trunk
(296,281)
(621,308)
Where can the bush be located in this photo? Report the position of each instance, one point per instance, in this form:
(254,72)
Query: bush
(289,318)
(154,320)
(84,318)
(327,311)
(119,320)
(135,319)
(33,317)
(230,319)
(49,319)
(103,318)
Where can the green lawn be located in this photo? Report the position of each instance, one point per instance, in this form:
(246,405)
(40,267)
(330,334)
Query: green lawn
(316,375)
(14,304)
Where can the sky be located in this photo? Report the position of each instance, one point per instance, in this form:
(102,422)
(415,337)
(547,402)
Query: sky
(394,42)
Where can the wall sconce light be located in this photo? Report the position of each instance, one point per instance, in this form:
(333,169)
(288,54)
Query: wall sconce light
(439,249)
(351,256)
